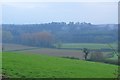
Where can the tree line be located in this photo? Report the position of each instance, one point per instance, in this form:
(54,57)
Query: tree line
(48,34)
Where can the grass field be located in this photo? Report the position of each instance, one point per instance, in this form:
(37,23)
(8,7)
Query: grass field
(88,45)
(0,64)
(36,65)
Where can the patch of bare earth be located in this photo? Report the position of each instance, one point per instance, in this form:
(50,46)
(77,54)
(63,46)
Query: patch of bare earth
(58,52)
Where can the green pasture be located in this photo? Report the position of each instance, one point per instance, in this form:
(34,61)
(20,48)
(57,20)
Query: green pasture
(17,65)
(88,45)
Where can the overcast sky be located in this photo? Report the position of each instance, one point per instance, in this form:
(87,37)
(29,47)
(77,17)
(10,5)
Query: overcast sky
(44,12)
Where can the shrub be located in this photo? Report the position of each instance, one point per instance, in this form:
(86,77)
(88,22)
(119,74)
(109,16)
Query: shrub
(97,56)
(115,62)
(59,45)
(71,57)
(110,55)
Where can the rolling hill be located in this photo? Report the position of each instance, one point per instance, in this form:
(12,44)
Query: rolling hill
(17,65)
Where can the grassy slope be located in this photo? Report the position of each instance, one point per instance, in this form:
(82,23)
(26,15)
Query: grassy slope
(35,65)
(0,63)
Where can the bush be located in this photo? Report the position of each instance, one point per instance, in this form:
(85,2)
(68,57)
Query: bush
(58,45)
(71,57)
(97,56)
(115,62)
(110,55)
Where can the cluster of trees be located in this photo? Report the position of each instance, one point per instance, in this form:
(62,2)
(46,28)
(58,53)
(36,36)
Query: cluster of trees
(55,32)
(42,39)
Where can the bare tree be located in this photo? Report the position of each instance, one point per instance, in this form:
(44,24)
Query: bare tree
(86,51)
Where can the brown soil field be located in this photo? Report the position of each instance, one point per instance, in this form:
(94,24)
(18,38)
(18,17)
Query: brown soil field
(45,51)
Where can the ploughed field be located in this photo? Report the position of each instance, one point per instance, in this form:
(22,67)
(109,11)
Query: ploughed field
(47,51)
(59,52)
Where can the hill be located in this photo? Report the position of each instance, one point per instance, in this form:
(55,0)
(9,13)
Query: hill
(42,66)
